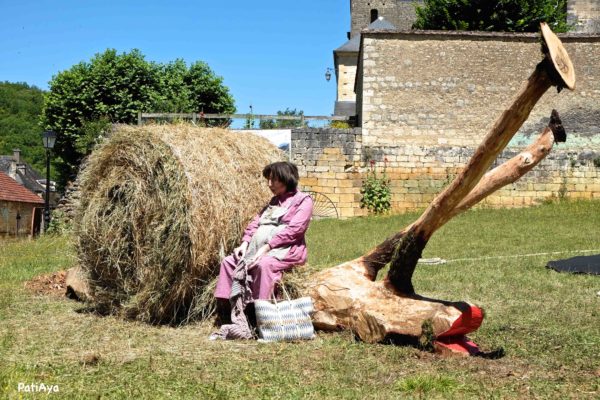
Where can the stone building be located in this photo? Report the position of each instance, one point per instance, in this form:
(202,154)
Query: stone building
(584,15)
(20,209)
(379,15)
(24,174)
(371,15)
(345,60)
(425,99)
(400,13)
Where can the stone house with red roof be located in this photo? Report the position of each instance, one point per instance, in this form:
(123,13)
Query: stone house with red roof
(20,209)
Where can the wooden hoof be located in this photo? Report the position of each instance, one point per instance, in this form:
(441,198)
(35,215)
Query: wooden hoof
(454,341)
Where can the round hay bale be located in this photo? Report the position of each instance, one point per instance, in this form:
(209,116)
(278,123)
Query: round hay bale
(160,205)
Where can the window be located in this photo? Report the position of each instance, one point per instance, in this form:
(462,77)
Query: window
(374,15)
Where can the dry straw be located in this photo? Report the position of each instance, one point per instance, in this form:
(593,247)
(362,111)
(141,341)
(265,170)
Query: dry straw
(160,205)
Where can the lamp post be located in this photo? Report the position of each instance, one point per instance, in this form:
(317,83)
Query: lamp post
(49,140)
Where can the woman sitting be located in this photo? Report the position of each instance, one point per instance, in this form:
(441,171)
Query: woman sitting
(273,242)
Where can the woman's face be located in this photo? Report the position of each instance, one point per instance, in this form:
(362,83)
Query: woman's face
(277,188)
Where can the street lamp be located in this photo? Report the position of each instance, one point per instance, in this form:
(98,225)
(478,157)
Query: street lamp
(49,140)
(328,74)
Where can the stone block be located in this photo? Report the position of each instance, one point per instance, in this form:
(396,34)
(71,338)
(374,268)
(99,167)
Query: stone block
(331,151)
(308,181)
(346,212)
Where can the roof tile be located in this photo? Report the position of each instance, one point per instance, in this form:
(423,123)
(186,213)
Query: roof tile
(10,190)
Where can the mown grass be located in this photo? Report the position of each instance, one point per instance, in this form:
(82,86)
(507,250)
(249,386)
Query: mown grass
(548,324)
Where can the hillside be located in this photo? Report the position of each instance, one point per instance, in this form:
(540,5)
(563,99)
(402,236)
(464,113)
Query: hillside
(20,109)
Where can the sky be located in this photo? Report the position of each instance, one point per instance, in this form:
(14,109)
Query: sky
(271,54)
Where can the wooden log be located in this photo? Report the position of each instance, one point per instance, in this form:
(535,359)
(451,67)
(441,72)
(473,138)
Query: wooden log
(552,70)
(513,169)
(347,296)
(345,299)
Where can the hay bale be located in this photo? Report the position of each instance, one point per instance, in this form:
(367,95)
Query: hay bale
(160,205)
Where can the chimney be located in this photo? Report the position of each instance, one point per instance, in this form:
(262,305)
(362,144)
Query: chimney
(12,171)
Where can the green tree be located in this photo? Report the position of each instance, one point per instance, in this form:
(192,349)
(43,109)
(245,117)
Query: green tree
(484,15)
(283,123)
(113,88)
(20,110)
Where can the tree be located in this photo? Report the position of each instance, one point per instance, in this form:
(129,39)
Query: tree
(113,88)
(483,15)
(20,110)
(283,123)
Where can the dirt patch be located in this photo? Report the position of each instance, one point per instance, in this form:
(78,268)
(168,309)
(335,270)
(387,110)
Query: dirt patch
(48,284)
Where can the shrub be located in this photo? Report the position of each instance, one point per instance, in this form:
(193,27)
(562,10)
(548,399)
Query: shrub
(376,192)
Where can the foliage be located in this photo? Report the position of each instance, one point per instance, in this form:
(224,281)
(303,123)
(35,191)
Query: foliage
(483,15)
(249,122)
(91,134)
(376,191)
(340,125)
(20,109)
(283,123)
(113,88)
(59,224)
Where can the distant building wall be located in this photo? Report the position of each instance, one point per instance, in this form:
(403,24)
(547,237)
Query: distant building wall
(584,15)
(401,13)
(448,88)
(334,162)
(425,101)
(406,14)
(346,76)
(328,162)
(9,224)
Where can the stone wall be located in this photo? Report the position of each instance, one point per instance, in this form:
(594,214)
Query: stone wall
(406,14)
(425,100)
(329,162)
(346,76)
(448,88)
(418,173)
(334,162)
(401,13)
(584,15)
(8,218)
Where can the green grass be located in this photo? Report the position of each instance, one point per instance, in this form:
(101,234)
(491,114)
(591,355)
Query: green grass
(548,324)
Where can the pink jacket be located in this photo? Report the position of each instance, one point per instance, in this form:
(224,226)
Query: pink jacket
(297,218)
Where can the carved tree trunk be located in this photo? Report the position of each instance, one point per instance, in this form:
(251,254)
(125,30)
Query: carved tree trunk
(347,296)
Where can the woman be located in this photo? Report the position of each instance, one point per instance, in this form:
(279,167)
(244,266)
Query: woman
(274,240)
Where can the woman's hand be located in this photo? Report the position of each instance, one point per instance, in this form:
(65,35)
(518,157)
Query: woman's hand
(240,251)
(259,253)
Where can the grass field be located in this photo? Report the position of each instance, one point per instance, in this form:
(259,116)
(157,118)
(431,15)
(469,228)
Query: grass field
(548,324)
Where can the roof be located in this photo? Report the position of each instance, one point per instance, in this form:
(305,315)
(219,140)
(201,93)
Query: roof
(28,178)
(10,190)
(345,108)
(351,45)
(381,24)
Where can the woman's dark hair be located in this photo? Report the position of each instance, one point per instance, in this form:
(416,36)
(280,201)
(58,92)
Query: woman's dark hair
(283,171)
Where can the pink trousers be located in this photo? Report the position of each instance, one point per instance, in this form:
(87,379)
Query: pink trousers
(265,276)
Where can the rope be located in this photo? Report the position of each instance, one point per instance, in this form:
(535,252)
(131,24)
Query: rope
(432,261)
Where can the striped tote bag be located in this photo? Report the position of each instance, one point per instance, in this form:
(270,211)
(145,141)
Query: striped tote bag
(284,320)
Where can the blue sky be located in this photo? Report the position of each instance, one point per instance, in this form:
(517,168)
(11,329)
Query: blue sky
(271,54)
